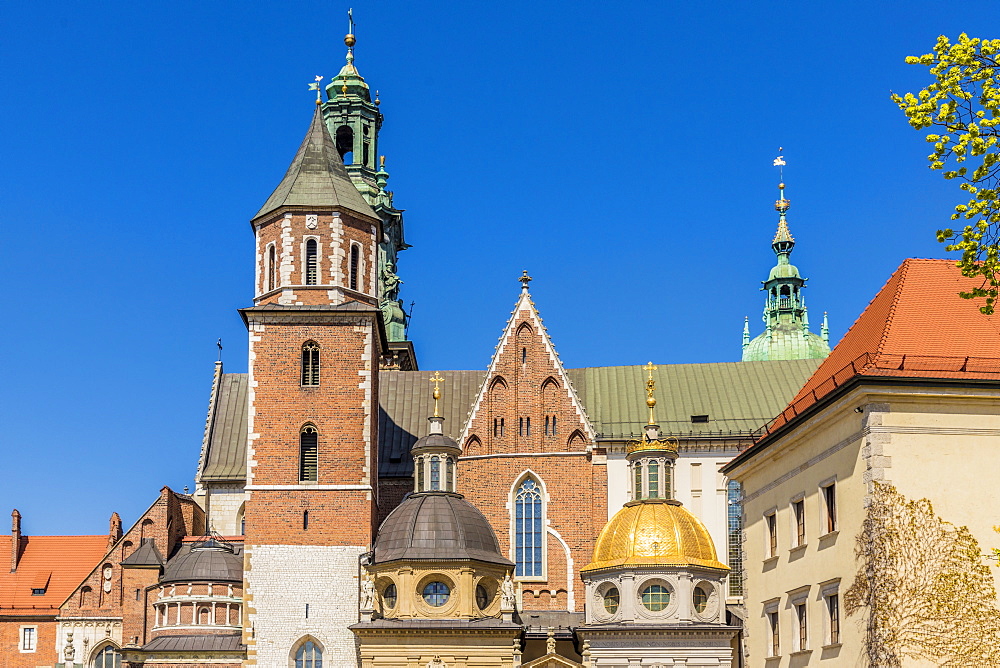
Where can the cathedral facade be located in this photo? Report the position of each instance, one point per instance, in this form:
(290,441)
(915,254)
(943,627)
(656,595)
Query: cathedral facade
(352,509)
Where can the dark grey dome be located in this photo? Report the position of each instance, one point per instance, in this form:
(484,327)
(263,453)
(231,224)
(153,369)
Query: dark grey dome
(208,561)
(436,442)
(439,527)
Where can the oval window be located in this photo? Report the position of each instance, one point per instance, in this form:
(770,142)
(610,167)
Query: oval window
(482,597)
(389,596)
(436,593)
(700,599)
(655,597)
(611,599)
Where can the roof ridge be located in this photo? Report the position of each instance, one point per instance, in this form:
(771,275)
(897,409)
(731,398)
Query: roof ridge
(902,272)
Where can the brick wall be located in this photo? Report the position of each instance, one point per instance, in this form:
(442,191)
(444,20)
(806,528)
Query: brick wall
(528,420)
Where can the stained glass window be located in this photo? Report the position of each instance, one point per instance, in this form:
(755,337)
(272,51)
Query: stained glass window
(309,655)
(528,529)
(108,658)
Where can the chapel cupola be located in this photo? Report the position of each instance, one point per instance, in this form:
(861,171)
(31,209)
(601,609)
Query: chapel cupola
(651,459)
(435,455)
(786,333)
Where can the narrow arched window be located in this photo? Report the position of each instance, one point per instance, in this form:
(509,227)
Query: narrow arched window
(271,260)
(309,655)
(310,363)
(305,520)
(435,473)
(637,488)
(449,474)
(420,474)
(527,426)
(355,261)
(528,529)
(308,454)
(312,262)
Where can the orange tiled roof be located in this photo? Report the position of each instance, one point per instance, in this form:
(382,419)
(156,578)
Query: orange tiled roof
(64,561)
(916,326)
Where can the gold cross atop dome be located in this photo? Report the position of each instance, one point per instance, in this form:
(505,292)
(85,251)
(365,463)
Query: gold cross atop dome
(650,388)
(437,380)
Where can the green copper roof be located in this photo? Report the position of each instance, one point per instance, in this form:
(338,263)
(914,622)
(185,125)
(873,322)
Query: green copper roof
(786,341)
(316,177)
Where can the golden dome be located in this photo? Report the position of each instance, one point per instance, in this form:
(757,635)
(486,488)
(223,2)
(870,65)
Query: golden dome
(654,532)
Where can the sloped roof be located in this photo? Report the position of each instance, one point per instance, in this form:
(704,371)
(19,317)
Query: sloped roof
(65,559)
(227,430)
(146,555)
(915,327)
(737,397)
(316,177)
(227,642)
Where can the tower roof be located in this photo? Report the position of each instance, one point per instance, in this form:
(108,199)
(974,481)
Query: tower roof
(316,177)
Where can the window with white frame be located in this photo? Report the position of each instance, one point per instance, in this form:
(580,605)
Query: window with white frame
(270,281)
(831,609)
(828,491)
(773,627)
(771,526)
(355,267)
(801,627)
(798,521)
(312,262)
(529,531)
(29,638)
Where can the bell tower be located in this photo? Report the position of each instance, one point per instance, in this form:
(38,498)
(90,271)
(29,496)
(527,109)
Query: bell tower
(354,121)
(316,338)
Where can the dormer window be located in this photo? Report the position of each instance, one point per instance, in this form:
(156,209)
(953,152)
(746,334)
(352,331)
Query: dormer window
(38,592)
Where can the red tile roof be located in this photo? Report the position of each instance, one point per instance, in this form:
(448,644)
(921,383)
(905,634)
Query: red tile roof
(916,327)
(64,561)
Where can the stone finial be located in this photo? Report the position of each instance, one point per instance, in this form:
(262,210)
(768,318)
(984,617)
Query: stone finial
(550,642)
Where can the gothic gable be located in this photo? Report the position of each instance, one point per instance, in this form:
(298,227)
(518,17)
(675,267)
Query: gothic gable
(526,403)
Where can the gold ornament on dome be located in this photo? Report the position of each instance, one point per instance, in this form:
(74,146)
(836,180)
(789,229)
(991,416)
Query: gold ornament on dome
(660,533)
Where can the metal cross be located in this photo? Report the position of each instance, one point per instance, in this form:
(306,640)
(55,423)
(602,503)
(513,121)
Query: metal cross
(437,380)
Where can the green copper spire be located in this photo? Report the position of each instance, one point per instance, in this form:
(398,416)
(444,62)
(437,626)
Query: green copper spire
(786,322)
(354,121)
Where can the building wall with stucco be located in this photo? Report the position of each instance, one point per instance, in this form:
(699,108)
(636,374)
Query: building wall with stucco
(927,441)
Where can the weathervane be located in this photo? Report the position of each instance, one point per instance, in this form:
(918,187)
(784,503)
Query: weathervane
(782,204)
(437,380)
(315,86)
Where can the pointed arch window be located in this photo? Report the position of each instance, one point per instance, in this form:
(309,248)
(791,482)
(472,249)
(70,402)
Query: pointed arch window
(308,454)
(528,534)
(312,262)
(108,658)
(310,363)
(309,655)
(355,263)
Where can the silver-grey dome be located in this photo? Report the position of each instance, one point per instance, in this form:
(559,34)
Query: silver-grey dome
(440,527)
(207,561)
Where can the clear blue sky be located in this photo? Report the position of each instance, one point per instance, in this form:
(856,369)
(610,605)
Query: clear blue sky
(621,153)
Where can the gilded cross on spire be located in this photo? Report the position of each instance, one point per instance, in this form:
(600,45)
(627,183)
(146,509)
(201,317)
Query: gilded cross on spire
(650,388)
(437,380)
(525,279)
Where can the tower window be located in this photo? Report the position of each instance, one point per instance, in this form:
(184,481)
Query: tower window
(527,426)
(449,475)
(345,143)
(305,519)
(528,529)
(308,454)
(271,261)
(653,480)
(524,355)
(435,473)
(310,363)
(520,426)
(312,259)
(355,261)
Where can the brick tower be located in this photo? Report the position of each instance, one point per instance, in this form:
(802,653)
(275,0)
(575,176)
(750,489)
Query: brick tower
(316,338)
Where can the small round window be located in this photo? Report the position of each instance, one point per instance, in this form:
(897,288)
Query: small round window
(655,597)
(436,593)
(482,597)
(389,596)
(700,600)
(611,600)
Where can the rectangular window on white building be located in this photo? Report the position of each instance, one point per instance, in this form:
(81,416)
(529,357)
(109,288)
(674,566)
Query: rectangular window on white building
(831,608)
(799,522)
(771,524)
(774,632)
(801,627)
(829,503)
